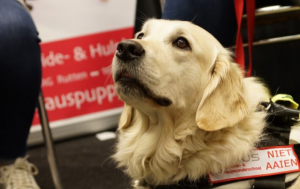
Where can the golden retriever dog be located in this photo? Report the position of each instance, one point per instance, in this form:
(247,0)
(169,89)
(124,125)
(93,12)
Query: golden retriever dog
(188,109)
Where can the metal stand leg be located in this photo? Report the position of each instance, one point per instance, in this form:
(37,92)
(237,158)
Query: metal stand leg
(49,142)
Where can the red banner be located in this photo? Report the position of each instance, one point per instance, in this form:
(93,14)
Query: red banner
(77,74)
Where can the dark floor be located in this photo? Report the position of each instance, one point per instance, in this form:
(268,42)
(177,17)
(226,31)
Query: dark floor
(84,163)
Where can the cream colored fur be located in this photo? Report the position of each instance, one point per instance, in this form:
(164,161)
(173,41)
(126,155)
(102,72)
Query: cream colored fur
(212,122)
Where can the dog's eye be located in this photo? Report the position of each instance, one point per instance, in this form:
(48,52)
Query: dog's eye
(140,36)
(182,43)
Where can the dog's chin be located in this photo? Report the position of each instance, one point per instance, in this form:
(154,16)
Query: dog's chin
(134,89)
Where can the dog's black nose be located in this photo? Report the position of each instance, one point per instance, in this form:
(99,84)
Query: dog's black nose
(128,50)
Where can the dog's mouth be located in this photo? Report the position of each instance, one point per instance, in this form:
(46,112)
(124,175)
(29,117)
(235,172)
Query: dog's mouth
(125,77)
(130,85)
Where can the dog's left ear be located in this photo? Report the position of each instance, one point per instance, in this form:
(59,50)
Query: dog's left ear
(222,104)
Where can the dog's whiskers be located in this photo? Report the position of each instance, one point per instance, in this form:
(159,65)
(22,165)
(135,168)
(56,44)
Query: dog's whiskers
(194,17)
(109,76)
(145,17)
(140,19)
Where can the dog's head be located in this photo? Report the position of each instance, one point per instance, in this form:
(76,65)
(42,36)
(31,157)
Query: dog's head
(175,65)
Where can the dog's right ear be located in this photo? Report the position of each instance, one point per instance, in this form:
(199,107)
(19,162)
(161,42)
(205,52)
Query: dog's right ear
(126,116)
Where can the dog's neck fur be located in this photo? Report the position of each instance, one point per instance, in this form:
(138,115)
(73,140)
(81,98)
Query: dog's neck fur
(169,149)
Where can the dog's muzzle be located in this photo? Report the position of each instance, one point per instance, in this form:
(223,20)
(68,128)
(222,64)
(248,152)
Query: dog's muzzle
(128,50)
